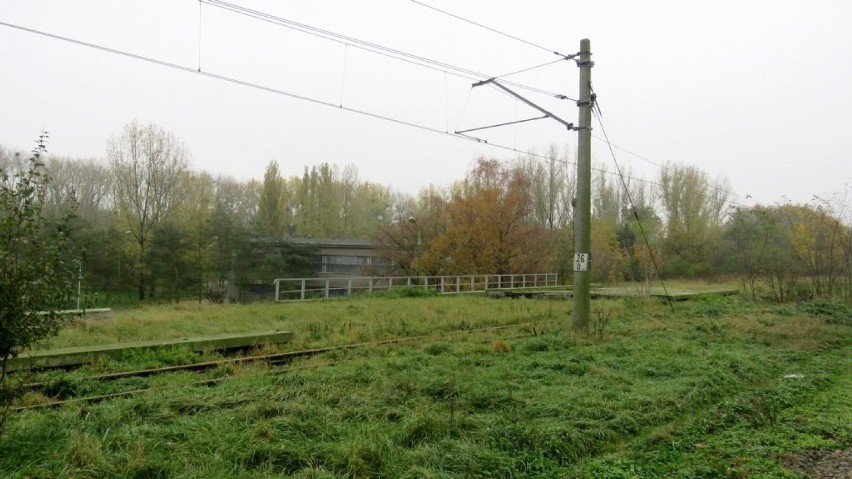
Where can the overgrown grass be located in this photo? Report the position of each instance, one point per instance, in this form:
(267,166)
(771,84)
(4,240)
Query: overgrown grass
(316,323)
(701,393)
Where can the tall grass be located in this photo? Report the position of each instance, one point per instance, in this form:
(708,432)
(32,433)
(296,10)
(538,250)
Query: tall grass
(315,323)
(701,393)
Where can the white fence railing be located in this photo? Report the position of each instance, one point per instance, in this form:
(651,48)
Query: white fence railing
(320,288)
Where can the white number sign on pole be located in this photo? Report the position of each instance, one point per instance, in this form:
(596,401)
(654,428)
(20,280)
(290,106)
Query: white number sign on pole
(581,261)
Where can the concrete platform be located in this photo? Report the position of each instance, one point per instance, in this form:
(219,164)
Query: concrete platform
(69,357)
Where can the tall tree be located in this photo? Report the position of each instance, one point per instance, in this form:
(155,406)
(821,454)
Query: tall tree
(348,185)
(147,164)
(816,239)
(306,204)
(489,225)
(12,162)
(369,209)
(271,214)
(396,241)
(847,263)
(329,202)
(639,240)
(321,212)
(551,187)
(694,208)
(608,199)
(193,216)
(231,222)
(758,242)
(169,258)
(88,182)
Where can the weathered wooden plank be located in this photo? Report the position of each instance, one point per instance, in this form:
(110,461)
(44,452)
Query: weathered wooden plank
(673,294)
(603,292)
(65,357)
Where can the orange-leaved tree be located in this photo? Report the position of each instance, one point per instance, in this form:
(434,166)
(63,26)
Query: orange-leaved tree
(490,228)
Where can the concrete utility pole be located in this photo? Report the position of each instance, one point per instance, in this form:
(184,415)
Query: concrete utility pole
(582,204)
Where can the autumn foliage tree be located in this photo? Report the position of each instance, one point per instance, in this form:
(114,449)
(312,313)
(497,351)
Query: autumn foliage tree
(489,225)
(789,252)
(816,240)
(145,215)
(396,241)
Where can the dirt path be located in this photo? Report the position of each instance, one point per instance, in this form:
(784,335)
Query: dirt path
(823,464)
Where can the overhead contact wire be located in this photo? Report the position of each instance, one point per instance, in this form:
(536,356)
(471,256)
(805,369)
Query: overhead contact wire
(494,30)
(636,215)
(296,96)
(369,46)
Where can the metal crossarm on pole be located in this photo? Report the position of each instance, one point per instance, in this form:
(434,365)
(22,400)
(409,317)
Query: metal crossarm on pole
(493,81)
(459,132)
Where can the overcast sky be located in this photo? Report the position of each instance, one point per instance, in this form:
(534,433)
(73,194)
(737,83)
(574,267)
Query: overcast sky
(759,91)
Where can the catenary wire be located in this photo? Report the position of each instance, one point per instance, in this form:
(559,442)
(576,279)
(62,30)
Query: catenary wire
(343,81)
(199,33)
(661,166)
(366,113)
(217,76)
(506,123)
(610,145)
(635,214)
(296,96)
(647,160)
(523,70)
(369,46)
(494,30)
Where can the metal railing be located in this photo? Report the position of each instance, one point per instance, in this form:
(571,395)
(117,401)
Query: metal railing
(323,288)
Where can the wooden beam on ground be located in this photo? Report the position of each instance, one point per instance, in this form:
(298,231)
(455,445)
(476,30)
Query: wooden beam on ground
(674,294)
(566,292)
(68,357)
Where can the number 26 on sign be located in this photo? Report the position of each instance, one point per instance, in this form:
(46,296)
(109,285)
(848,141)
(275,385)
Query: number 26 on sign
(581,261)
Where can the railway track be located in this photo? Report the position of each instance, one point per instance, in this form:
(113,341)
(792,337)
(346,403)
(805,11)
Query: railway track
(275,359)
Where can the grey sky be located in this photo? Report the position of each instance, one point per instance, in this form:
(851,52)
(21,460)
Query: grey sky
(760,91)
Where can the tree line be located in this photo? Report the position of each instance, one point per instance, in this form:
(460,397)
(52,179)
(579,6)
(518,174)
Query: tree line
(517,217)
(147,223)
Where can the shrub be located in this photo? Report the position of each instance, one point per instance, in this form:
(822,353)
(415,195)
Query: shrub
(35,282)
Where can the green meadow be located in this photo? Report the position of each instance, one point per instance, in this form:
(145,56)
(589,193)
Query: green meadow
(721,387)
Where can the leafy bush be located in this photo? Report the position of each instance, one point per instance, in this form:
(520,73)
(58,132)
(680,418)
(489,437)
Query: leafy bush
(408,292)
(216,296)
(832,312)
(35,281)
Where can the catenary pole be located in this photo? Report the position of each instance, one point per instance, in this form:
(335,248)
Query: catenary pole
(582,203)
